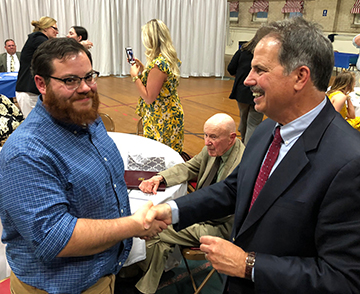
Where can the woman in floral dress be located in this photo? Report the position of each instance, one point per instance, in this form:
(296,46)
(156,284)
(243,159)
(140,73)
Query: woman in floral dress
(159,104)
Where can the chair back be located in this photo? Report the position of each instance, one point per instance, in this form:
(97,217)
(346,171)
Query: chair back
(108,122)
(5,286)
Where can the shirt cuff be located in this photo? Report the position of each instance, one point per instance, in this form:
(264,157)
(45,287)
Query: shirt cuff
(174,211)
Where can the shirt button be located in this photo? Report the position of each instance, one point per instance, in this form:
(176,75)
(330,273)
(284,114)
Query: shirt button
(75,132)
(105,158)
(114,185)
(233,239)
(120,263)
(122,210)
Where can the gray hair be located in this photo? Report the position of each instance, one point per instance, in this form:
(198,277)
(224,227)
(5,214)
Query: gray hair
(304,44)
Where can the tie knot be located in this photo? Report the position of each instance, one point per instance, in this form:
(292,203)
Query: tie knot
(277,137)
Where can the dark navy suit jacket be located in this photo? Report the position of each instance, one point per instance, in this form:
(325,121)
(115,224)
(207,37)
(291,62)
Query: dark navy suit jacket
(305,224)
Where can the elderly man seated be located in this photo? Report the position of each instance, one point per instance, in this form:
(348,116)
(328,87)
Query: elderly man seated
(223,149)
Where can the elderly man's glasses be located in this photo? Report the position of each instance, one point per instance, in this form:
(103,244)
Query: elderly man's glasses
(72,83)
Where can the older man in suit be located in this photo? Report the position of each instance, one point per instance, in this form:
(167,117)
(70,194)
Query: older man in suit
(297,229)
(9,61)
(221,145)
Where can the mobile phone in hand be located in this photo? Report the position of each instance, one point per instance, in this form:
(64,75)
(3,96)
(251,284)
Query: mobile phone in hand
(130,55)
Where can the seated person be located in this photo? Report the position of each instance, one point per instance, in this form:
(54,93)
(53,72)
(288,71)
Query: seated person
(338,94)
(10,118)
(220,141)
(10,60)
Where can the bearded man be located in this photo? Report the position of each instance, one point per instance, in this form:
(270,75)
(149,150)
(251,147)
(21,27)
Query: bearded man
(63,200)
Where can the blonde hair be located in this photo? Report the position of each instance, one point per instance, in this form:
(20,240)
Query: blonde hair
(343,82)
(156,39)
(43,23)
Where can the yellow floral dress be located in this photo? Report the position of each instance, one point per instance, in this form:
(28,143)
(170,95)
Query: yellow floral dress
(354,122)
(163,120)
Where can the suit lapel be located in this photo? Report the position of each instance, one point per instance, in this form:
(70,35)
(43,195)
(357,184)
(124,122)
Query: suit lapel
(230,164)
(286,172)
(206,172)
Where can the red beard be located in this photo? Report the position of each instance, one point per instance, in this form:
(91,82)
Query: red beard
(63,110)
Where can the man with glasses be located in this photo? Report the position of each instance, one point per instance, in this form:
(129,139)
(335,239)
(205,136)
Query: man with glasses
(64,203)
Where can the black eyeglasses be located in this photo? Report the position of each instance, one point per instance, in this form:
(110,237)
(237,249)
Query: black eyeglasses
(72,83)
(55,28)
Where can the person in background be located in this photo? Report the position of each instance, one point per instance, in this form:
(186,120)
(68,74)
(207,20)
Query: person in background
(240,66)
(9,61)
(220,142)
(80,34)
(64,205)
(159,104)
(10,118)
(26,92)
(296,192)
(356,43)
(341,87)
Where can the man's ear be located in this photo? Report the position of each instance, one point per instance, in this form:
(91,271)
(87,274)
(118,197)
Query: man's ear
(302,77)
(80,38)
(40,84)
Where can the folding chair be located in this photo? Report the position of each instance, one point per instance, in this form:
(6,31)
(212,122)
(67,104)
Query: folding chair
(190,253)
(139,127)
(108,122)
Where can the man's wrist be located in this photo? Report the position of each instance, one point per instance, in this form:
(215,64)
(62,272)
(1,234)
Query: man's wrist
(161,179)
(249,265)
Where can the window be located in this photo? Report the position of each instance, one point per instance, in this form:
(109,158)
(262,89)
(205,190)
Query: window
(234,11)
(259,10)
(292,14)
(260,16)
(356,11)
(293,8)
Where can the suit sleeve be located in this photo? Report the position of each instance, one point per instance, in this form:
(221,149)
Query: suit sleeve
(336,268)
(205,203)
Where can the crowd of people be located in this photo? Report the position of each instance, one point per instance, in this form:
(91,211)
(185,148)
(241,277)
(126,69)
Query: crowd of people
(280,215)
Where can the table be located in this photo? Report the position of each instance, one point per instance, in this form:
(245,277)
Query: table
(355,99)
(343,60)
(133,144)
(8,83)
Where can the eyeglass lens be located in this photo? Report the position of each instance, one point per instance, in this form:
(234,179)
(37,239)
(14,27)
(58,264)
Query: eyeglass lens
(74,83)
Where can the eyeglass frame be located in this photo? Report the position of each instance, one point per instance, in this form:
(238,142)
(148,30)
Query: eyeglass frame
(55,28)
(79,81)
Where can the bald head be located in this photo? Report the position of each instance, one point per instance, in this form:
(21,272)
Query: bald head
(219,134)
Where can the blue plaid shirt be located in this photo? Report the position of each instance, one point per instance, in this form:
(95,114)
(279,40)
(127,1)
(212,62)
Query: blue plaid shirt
(51,174)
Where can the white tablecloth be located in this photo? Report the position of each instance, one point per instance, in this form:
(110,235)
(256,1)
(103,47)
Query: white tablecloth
(355,99)
(133,144)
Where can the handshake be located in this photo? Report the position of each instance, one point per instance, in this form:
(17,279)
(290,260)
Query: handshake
(152,219)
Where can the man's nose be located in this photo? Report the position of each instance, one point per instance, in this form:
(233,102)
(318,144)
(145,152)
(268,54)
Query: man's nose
(250,81)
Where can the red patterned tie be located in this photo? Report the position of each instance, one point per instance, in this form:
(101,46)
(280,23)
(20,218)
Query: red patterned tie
(270,159)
